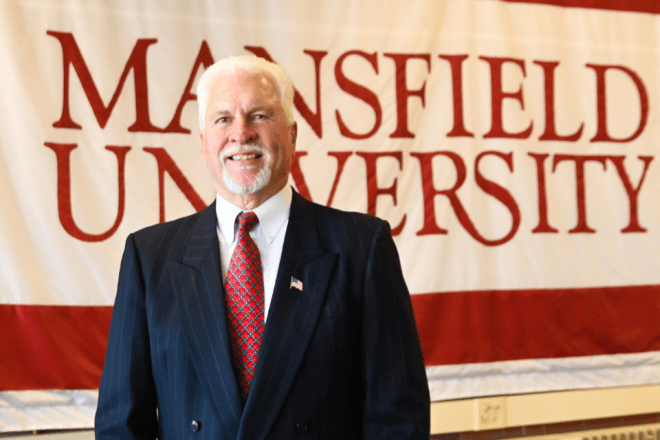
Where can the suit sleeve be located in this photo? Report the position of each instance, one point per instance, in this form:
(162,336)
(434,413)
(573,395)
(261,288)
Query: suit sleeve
(397,402)
(127,396)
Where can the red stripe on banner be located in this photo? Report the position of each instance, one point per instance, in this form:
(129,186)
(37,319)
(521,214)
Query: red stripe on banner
(489,326)
(63,347)
(647,6)
(52,347)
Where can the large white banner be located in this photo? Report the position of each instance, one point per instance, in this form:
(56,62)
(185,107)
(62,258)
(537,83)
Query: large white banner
(511,146)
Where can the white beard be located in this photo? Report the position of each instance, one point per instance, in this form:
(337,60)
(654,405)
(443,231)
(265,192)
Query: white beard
(260,180)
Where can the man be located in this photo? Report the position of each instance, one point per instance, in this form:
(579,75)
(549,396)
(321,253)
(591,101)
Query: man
(315,338)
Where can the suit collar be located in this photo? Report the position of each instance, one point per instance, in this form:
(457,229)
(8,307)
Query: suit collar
(203,237)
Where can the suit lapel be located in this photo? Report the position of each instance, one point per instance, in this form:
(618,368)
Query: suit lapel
(197,282)
(292,318)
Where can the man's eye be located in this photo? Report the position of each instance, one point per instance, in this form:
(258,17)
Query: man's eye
(259,116)
(222,119)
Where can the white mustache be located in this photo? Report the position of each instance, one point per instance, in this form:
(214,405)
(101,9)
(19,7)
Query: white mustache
(243,149)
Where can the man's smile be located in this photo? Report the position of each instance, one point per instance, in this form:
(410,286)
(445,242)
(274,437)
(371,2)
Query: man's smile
(248,156)
(243,153)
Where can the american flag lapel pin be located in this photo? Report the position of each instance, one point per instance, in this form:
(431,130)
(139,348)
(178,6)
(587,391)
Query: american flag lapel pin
(296,284)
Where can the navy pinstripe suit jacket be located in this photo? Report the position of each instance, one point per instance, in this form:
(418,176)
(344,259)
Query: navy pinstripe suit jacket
(340,359)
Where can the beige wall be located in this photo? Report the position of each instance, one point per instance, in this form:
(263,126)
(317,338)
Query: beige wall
(543,408)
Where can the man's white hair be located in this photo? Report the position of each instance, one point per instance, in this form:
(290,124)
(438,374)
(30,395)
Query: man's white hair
(250,64)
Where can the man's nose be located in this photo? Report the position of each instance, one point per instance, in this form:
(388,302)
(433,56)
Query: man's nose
(242,132)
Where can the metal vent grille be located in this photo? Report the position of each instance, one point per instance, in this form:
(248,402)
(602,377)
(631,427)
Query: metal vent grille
(630,433)
(638,432)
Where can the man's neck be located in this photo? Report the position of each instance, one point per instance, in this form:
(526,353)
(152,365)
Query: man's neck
(248,202)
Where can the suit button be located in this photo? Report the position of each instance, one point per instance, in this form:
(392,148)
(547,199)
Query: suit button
(194,426)
(301,427)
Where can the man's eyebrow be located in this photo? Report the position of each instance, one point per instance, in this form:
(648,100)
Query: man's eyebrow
(265,109)
(261,107)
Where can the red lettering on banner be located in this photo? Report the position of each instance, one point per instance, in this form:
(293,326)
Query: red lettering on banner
(342,157)
(299,178)
(632,192)
(167,165)
(430,225)
(602,135)
(63,153)
(360,92)
(297,175)
(137,62)
(204,58)
(373,190)
(456,63)
(429,192)
(497,96)
(550,133)
(543,225)
(580,185)
(313,119)
(500,98)
(402,91)
(501,194)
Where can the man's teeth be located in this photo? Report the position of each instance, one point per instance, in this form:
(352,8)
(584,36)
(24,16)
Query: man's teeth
(245,156)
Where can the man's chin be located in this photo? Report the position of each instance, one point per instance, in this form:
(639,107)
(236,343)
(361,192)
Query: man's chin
(247,185)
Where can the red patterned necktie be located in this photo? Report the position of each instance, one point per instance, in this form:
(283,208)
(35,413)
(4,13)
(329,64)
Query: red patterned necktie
(244,288)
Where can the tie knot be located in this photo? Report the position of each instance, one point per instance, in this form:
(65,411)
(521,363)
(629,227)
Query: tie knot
(247,220)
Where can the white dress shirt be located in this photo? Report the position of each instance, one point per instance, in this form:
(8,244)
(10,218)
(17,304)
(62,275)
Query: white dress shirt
(268,235)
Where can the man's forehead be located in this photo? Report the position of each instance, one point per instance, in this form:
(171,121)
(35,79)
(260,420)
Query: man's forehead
(257,86)
(247,79)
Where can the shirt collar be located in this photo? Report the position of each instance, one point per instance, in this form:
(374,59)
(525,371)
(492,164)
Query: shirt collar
(273,214)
